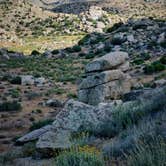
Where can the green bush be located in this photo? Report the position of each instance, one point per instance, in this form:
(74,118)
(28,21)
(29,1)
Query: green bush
(138,61)
(72,95)
(29,149)
(163,44)
(139,26)
(163,60)
(89,56)
(10,106)
(76,48)
(16,80)
(154,67)
(78,159)
(84,40)
(6,78)
(145,56)
(117,41)
(107,48)
(55,52)
(38,125)
(15,93)
(34,52)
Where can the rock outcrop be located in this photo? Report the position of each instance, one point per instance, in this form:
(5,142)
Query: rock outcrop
(106,79)
(31,80)
(76,116)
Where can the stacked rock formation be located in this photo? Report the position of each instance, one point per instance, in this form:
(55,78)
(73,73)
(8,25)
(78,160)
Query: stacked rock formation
(106,79)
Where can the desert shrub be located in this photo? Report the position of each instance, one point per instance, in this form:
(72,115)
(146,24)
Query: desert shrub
(6,78)
(55,90)
(38,125)
(55,52)
(16,80)
(139,26)
(152,44)
(35,52)
(154,67)
(90,56)
(8,157)
(10,106)
(29,149)
(82,54)
(163,44)
(115,27)
(163,60)
(15,93)
(98,52)
(138,61)
(72,95)
(117,41)
(148,153)
(96,40)
(84,40)
(76,48)
(129,114)
(107,48)
(147,129)
(145,56)
(78,159)
(38,111)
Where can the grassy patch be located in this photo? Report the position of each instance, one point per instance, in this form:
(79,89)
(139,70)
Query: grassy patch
(38,43)
(58,70)
(130,114)
(154,67)
(78,159)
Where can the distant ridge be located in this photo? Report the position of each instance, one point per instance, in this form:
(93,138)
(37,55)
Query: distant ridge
(50,4)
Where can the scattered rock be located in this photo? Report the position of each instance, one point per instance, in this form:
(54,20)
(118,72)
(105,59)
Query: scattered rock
(74,117)
(54,103)
(33,135)
(31,80)
(160,82)
(40,81)
(27,80)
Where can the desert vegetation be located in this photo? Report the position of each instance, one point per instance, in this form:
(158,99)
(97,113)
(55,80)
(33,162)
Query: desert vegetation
(82,83)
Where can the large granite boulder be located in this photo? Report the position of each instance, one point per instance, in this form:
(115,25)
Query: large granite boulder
(106,79)
(101,78)
(107,62)
(104,92)
(76,116)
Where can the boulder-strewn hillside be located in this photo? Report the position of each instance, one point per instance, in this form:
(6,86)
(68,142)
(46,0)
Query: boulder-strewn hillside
(82,83)
(23,23)
(50,4)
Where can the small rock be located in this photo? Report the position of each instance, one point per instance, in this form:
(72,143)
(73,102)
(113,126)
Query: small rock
(54,103)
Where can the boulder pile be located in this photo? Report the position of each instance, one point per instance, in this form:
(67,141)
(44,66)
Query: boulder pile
(74,117)
(106,79)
